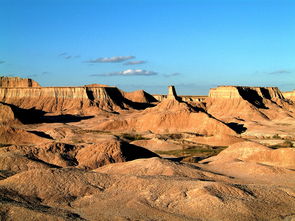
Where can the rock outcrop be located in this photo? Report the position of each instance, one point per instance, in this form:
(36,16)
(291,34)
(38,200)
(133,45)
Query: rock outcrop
(14,82)
(89,99)
(139,96)
(6,114)
(169,116)
(290,95)
(248,103)
(255,152)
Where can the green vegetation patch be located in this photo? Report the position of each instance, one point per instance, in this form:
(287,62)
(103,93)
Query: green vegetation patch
(202,151)
(132,137)
(285,144)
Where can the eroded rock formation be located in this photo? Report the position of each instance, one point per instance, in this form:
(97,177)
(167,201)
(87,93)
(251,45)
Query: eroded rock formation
(17,82)
(68,100)
(248,103)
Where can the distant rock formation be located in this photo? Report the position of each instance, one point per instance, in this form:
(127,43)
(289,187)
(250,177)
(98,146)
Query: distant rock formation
(17,82)
(172,93)
(68,100)
(248,103)
(139,96)
(169,116)
(289,95)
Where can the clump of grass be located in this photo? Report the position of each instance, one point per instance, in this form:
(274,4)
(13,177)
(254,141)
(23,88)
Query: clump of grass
(170,136)
(4,145)
(276,136)
(132,137)
(194,151)
(285,144)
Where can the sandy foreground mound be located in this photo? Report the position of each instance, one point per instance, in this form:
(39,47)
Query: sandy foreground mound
(11,135)
(254,152)
(169,116)
(54,155)
(157,190)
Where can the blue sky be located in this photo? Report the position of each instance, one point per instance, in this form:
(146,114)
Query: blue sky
(150,44)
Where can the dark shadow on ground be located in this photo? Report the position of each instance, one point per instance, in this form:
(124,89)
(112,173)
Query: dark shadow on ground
(133,152)
(239,128)
(41,134)
(32,116)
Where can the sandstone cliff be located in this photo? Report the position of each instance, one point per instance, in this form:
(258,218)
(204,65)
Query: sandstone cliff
(17,82)
(70,100)
(74,100)
(248,103)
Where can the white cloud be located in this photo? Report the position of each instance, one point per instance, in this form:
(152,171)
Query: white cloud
(172,75)
(280,72)
(111,59)
(134,62)
(129,72)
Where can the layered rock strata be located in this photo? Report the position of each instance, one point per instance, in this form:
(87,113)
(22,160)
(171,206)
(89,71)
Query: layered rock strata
(248,103)
(17,82)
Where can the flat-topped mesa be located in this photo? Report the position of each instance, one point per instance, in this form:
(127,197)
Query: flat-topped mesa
(88,99)
(245,92)
(172,93)
(13,82)
(248,103)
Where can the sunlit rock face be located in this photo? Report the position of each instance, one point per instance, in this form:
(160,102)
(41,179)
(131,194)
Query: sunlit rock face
(17,82)
(242,92)
(248,103)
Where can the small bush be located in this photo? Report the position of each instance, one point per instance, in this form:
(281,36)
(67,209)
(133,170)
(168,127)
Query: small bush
(276,136)
(133,137)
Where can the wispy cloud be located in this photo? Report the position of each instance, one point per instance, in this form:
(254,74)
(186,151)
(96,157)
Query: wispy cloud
(172,75)
(279,72)
(129,72)
(32,75)
(115,59)
(2,62)
(134,62)
(65,55)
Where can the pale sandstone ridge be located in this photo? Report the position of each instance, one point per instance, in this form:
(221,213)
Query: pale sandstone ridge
(17,82)
(289,95)
(248,103)
(242,91)
(70,100)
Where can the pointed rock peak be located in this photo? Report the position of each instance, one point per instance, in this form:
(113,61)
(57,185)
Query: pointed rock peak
(172,93)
